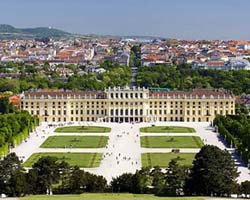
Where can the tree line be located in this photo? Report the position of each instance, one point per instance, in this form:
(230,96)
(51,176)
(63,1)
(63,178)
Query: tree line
(235,130)
(183,77)
(15,126)
(213,173)
(115,75)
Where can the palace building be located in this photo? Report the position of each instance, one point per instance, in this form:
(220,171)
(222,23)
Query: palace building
(128,105)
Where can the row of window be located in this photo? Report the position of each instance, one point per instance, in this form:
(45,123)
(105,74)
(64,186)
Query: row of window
(126,112)
(126,95)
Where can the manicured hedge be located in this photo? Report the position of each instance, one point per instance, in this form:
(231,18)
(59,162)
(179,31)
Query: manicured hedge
(236,132)
(14,128)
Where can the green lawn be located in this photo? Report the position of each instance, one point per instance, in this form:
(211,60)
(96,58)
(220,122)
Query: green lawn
(167,129)
(96,196)
(162,159)
(75,142)
(171,142)
(83,129)
(84,160)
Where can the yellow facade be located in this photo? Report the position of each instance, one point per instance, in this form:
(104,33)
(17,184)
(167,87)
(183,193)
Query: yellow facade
(128,105)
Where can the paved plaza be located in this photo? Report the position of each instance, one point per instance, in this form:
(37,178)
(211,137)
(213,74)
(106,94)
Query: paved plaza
(123,152)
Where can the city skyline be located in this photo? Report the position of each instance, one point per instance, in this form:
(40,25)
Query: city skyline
(224,19)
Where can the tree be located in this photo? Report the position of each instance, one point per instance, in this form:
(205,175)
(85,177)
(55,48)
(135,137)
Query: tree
(17,185)
(158,178)
(48,173)
(141,181)
(12,178)
(213,173)
(77,181)
(174,180)
(245,187)
(32,182)
(95,183)
(122,183)
(5,106)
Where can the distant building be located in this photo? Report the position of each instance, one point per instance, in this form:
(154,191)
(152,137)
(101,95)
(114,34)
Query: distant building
(244,100)
(234,64)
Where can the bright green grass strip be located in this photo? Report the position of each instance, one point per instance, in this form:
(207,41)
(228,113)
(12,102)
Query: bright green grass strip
(163,159)
(171,142)
(75,142)
(84,160)
(104,196)
(167,129)
(83,129)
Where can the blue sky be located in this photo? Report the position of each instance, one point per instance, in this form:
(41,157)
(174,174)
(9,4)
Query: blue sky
(184,19)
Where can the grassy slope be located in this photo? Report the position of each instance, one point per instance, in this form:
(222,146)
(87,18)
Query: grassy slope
(75,142)
(108,197)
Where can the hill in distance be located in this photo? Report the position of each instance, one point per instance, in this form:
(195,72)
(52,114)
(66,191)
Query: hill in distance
(10,32)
